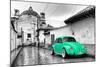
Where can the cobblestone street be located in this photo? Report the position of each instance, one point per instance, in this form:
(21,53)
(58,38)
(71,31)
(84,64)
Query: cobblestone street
(29,56)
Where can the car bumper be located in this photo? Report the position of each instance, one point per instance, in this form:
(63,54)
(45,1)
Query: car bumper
(77,53)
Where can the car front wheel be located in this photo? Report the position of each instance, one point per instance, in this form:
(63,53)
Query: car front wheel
(64,54)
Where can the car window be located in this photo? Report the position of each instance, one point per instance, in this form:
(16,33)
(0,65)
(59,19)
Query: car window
(59,40)
(69,39)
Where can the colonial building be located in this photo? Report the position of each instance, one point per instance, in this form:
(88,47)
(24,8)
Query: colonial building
(83,25)
(26,27)
(28,21)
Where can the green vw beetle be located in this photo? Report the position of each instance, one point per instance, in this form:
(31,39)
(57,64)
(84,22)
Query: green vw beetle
(68,46)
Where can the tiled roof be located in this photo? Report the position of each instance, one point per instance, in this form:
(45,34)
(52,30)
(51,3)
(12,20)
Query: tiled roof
(85,13)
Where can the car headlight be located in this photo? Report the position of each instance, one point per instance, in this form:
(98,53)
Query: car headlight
(71,48)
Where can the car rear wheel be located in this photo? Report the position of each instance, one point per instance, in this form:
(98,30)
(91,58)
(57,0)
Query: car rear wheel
(64,54)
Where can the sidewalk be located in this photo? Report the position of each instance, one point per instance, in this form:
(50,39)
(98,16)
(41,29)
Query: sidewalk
(14,54)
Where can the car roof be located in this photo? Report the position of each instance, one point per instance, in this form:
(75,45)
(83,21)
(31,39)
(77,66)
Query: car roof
(64,37)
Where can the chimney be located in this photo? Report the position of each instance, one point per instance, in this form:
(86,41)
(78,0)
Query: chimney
(16,12)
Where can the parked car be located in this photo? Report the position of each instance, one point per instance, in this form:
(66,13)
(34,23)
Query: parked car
(68,46)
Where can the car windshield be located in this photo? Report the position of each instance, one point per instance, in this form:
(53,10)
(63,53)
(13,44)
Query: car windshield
(69,39)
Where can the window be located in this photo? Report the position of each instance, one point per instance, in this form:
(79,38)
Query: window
(59,40)
(29,35)
(69,39)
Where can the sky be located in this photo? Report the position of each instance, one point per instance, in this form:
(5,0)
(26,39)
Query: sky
(55,13)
